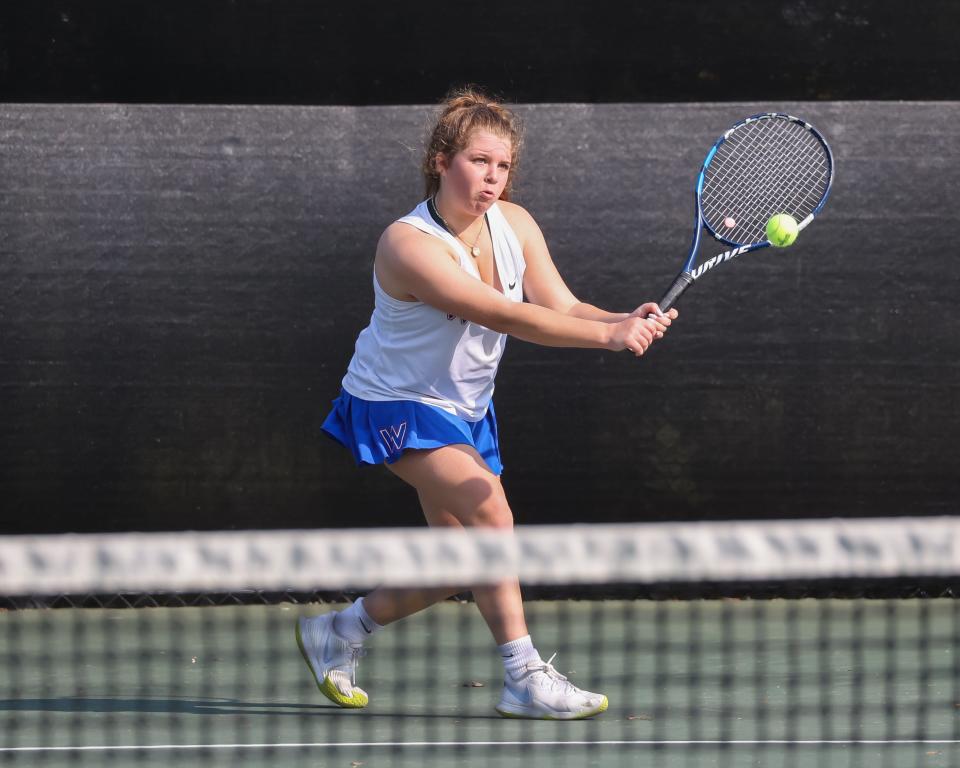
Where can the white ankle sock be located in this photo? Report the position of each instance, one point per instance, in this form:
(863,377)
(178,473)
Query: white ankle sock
(354,624)
(517,654)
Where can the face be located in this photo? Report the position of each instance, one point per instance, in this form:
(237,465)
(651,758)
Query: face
(474,178)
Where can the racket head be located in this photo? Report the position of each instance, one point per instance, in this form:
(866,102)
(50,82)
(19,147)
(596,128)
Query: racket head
(765,164)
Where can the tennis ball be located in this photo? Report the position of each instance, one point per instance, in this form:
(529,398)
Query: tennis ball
(782,230)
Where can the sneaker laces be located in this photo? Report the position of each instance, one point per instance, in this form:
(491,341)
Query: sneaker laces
(356,652)
(351,654)
(557,681)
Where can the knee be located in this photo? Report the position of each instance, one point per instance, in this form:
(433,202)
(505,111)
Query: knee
(487,510)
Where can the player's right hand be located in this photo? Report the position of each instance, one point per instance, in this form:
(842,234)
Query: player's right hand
(634,333)
(651,311)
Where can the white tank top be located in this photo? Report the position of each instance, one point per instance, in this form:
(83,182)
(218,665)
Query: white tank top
(412,351)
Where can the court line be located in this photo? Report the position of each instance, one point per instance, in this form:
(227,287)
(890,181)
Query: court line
(585,742)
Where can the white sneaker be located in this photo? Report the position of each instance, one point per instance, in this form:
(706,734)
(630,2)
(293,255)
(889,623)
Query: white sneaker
(332,660)
(542,693)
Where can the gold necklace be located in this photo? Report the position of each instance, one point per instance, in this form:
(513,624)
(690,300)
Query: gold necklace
(474,249)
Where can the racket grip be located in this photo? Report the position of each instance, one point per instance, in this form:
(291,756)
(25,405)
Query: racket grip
(683,281)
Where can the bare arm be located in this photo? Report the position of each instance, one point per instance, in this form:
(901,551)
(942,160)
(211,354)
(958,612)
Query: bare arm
(543,284)
(421,267)
(650,309)
(589,312)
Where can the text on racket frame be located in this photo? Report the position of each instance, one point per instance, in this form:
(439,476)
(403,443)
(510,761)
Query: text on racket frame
(720,258)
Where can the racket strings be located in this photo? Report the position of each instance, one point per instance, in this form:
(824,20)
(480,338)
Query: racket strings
(769,166)
(756,179)
(760,176)
(772,162)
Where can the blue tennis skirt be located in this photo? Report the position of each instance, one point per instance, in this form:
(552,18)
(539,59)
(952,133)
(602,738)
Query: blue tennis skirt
(378,432)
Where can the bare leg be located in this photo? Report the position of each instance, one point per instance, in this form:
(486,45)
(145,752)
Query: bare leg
(456,488)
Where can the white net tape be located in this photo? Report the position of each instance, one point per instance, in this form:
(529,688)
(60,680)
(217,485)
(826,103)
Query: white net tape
(562,554)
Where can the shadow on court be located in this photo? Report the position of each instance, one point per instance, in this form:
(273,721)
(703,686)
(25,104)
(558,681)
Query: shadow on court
(191,706)
(210,706)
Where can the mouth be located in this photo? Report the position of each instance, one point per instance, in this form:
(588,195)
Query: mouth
(486,194)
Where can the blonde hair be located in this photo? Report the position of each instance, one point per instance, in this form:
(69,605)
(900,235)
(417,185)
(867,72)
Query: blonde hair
(463,111)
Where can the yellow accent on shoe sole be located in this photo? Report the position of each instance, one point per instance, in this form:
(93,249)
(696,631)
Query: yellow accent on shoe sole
(602,708)
(326,686)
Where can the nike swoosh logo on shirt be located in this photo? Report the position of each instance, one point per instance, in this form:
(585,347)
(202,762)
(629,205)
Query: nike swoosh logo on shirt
(363,625)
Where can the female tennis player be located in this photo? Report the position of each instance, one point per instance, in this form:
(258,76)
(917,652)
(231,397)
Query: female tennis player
(449,281)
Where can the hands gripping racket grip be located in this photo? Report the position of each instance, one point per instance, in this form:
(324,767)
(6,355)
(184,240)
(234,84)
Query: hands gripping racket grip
(683,281)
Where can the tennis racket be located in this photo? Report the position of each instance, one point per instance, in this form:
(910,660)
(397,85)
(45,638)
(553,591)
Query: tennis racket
(764,165)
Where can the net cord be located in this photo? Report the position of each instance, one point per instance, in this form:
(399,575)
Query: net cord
(640,553)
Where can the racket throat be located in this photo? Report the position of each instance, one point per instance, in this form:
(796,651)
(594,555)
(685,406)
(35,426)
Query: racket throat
(719,259)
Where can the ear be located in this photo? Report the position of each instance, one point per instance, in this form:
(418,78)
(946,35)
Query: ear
(441,163)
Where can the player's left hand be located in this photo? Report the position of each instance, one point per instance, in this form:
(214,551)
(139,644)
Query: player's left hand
(651,311)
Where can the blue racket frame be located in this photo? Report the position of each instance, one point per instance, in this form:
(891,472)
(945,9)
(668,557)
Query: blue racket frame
(690,274)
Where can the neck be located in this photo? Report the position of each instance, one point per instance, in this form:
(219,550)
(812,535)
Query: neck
(457,221)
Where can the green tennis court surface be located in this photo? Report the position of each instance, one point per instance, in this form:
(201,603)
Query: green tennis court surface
(714,682)
(765,643)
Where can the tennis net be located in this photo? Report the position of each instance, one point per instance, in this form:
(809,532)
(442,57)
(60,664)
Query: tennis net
(773,643)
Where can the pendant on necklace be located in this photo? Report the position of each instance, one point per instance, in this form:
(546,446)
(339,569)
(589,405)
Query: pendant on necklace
(475,251)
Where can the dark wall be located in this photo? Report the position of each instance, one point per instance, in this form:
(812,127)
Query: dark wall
(375,52)
(181,287)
